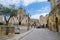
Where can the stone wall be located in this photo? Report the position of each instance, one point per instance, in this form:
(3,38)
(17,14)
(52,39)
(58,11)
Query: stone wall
(54,18)
(5,30)
(43,20)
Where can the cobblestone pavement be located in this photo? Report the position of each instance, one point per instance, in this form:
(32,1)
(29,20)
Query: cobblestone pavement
(42,34)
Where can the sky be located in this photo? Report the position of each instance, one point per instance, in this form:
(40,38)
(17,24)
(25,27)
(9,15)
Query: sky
(34,7)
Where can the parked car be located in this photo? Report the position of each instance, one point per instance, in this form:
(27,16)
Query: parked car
(17,30)
(38,27)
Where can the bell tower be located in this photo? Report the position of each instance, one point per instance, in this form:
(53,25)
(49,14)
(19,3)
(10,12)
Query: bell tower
(21,14)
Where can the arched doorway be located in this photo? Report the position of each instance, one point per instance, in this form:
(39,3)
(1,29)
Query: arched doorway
(19,23)
(56,24)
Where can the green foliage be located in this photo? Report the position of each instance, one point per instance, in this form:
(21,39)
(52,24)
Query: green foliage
(1,23)
(7,11)
(14,13)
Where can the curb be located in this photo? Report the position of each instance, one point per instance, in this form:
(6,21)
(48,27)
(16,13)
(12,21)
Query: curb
(20,36)
(26,34)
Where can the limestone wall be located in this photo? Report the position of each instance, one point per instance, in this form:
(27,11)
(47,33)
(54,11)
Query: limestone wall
(5,30)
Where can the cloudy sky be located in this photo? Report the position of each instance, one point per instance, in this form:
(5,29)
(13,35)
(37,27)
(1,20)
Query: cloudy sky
(34,7)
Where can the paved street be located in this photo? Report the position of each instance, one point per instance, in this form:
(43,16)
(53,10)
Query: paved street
(42,34)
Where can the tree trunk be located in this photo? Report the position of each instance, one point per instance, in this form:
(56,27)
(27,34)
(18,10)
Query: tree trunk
(7,21)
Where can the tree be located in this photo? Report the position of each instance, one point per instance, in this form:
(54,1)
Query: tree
(5,11)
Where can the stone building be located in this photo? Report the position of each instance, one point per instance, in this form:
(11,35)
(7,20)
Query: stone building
(21,14)
(34,22)
(43,20)
(54,16)
(13,20)
(53,3)
(25,20)
(22,17)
